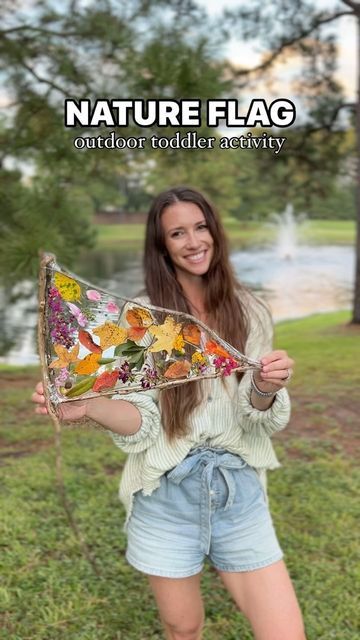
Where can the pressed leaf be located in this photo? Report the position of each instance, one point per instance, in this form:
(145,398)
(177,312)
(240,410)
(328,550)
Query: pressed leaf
(137,360)
(127,348)
(138,317)
(106,360)
(178,369)
(137,333)
(68,288)
(107,380)
(86,340)
(88,365)
(110,335)
(214,348)
(192,333)
(65,357)
(81,387)
(166,335)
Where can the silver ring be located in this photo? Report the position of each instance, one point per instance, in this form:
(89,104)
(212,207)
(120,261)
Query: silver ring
(289,374)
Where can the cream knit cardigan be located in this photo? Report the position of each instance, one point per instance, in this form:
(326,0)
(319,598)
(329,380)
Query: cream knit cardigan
(225,419)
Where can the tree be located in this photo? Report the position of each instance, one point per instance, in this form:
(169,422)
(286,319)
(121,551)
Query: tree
(104,49)
(303,30)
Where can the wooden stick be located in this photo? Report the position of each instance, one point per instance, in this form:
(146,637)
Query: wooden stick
(44,261)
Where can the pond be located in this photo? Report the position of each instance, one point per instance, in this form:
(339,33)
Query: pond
(307,280)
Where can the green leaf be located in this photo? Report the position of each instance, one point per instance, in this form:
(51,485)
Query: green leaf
(81,387)
(128,349)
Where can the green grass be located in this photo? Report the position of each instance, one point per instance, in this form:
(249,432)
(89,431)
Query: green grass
(240,233)
(49,591)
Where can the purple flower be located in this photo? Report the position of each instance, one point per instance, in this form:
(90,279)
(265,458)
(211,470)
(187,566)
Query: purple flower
(61,324)
(150,378)
(125,374)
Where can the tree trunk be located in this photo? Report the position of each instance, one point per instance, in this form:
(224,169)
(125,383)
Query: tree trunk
(356,308)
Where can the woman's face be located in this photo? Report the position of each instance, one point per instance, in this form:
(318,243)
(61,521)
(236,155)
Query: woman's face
(187,238)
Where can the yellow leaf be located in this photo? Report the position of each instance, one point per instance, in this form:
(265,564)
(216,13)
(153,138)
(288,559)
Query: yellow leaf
(68,288)
(138,317)
(65,357)
(89,364)
(166,335)
(110,335)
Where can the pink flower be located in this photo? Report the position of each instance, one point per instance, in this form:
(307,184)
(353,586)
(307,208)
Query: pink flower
(80,317)
(111,307)
(93,295)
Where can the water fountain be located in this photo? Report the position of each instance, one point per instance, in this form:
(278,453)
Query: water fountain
(287,227)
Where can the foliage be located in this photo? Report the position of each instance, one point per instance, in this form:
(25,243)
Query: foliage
(87,50)
(38,217)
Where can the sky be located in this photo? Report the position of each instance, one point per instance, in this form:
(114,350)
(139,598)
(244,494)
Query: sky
(346,31)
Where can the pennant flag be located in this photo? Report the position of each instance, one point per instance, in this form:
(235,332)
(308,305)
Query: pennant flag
(93,342)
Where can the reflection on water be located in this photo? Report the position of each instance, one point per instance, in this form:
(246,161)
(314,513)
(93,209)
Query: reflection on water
(316,279)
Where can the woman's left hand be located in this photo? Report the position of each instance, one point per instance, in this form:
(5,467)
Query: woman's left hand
(277,369)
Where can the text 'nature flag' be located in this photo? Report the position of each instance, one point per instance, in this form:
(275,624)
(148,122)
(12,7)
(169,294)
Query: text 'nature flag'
(93,342)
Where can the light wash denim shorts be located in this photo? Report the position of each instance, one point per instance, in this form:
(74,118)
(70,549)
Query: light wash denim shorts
(211,505)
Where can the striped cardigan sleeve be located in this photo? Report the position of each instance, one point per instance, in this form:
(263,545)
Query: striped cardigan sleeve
(150,423)
(260,342)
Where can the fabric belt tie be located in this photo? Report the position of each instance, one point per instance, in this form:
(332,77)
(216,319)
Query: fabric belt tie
(210,459)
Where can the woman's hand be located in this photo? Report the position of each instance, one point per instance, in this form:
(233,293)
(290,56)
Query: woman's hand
(277,369)
(67,410)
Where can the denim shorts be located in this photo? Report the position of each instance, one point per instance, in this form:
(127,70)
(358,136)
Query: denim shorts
(212,505)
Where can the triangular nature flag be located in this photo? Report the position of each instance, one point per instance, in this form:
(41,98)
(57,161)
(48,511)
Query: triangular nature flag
(93,342)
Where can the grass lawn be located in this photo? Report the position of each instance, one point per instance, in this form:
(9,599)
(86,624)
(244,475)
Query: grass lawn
(240,233)
(49,591)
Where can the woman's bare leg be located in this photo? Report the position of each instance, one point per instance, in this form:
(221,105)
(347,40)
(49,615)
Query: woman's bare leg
(268,600)
(180,606)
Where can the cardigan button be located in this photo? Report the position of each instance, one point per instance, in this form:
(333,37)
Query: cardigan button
(209,398)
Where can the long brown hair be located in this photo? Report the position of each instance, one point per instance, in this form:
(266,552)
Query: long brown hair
(223,302)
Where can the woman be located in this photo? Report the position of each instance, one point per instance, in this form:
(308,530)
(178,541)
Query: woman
(194,480)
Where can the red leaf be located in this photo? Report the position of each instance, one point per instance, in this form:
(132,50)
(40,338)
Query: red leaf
(87,341)
(106,380)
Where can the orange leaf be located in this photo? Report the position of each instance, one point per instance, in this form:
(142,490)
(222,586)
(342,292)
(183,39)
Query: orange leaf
(138,317)
(178,369)
(87,341)
(106,380)
(192,333)
(214,348)
(65,357)
(88,365)
(136,333)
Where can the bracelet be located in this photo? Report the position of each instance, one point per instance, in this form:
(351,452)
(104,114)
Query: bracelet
(263,394)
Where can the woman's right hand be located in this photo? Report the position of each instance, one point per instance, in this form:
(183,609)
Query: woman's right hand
(67,410)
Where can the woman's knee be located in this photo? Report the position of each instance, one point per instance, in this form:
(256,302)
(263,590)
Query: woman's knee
(180,606)
(185,631)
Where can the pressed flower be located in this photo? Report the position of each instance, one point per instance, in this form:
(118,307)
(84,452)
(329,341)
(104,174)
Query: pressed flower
(124,373)
(62,325)
(111,307)
(198,357)
(93,295)
(179,343)
(150,378)
(225,365)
